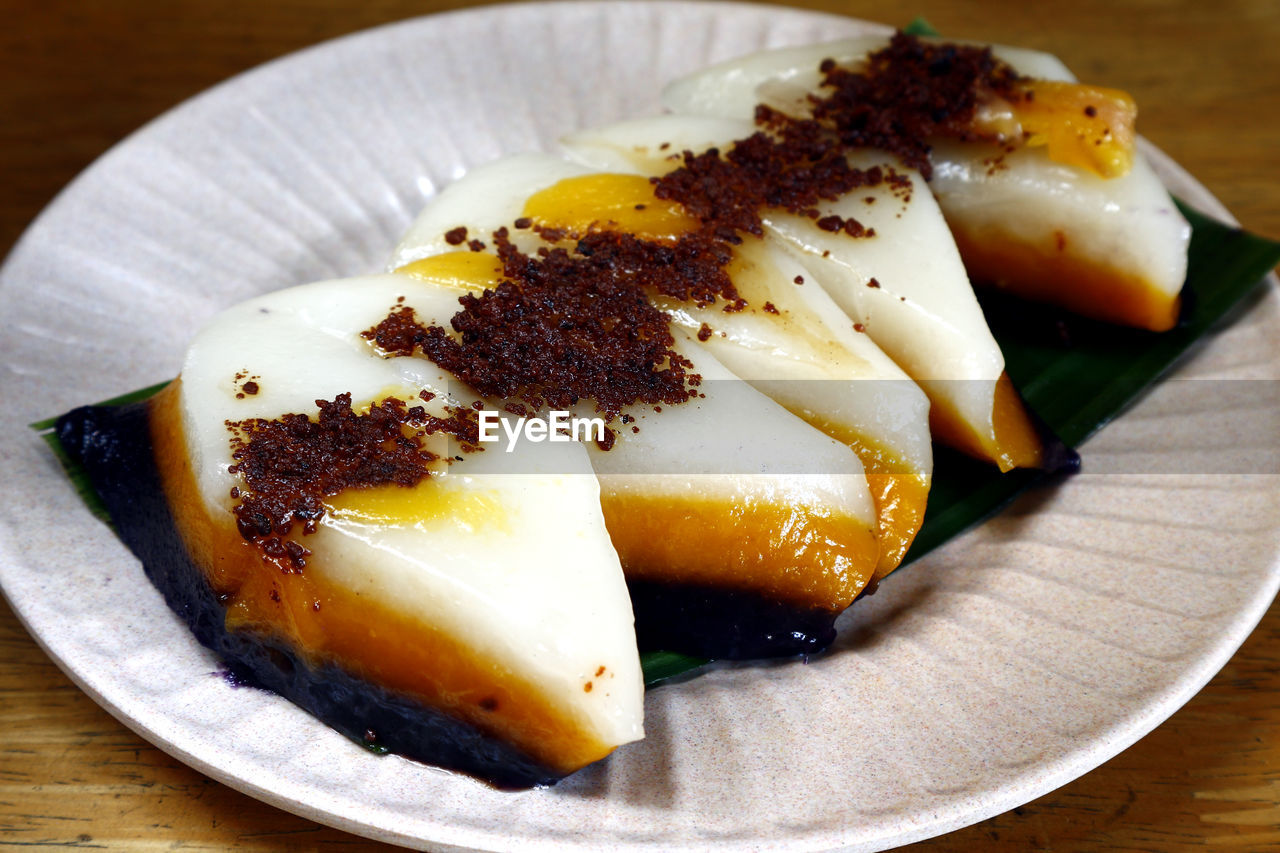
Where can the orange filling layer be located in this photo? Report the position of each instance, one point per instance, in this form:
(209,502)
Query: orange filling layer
(900,503)
(462,270)
(1012,441)
(609,201)
(326,622)
(1088,127)
(900,496)
(1049,271)
(795,554)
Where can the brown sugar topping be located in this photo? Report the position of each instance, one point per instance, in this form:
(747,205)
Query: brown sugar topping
(289,465)
(794,166)
(910,91)
(570,325)
(246,385)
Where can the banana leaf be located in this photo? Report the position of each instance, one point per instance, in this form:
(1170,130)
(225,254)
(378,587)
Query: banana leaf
(920,27)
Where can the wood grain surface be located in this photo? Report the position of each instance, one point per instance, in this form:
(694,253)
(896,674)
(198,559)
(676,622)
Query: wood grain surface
(77,77)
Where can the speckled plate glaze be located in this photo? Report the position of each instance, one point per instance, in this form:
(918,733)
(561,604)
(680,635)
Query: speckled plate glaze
(1007,663)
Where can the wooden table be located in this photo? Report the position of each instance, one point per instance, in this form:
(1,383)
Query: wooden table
(79,76)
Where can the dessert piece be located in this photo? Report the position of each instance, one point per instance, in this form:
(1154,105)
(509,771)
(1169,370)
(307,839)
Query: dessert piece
(1039,177)
(743,531)
(311,509)
(791,341)
(880,249)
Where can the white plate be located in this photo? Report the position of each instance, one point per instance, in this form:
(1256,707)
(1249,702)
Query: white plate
(1004,665)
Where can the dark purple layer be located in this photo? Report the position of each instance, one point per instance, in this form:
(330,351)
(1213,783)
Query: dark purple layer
(715,622)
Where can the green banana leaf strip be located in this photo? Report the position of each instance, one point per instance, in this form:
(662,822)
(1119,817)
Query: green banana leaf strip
(132,397)
(1077,375)
(920,27)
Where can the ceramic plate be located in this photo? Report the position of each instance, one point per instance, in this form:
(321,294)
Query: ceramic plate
(1007,663)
